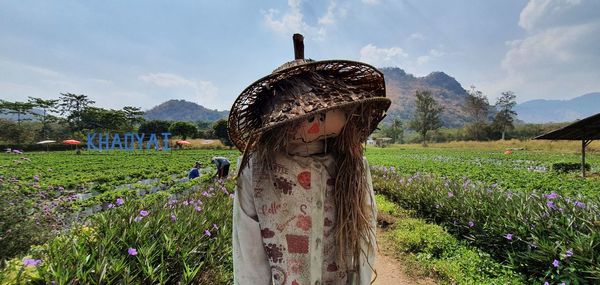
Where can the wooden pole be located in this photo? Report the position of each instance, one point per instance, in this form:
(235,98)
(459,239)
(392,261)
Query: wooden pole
(582,158)
(298,46)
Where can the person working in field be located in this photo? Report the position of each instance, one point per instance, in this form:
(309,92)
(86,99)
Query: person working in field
(222,165)
(195,171)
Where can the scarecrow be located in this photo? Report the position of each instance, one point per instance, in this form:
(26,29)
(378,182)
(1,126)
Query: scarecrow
(304,210)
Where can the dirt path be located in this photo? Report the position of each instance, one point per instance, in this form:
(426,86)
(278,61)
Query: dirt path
(391,271)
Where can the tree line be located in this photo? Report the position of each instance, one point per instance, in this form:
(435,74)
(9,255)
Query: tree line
(487,122)
(74,115)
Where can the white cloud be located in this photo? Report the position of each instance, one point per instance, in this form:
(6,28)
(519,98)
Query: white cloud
(393,56)
(166,80)
(541,14)
(371,2)
(293,21)
(559,57)
(416,37)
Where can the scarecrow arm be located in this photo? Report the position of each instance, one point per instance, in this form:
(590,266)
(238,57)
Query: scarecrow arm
(250,263)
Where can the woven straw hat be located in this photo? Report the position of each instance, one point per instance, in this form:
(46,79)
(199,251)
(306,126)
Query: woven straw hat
(349,84)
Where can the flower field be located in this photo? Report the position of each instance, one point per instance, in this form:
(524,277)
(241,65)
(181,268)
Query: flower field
(134,218)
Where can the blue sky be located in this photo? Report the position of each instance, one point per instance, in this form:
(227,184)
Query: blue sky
(142,53)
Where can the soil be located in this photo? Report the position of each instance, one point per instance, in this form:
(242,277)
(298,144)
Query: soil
(391,271)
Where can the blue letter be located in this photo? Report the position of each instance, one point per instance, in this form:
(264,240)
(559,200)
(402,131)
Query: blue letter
(140,140)
(116,140)
(152,141)
(129,141)
(166,140)
(90,141)
(105,142)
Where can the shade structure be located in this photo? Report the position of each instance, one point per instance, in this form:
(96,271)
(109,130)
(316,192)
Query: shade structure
(46,142)
(183,142)
(71,142)
(585,130)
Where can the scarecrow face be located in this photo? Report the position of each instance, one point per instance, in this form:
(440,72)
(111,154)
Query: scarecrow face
(320,126)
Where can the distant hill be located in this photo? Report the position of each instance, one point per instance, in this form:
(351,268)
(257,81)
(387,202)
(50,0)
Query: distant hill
(181,110)
(546,111)
(401,88)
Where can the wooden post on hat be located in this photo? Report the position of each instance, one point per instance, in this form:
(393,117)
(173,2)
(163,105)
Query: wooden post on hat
(298,46)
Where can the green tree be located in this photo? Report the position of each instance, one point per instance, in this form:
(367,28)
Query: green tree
(183,129)
(427,115)
(134,116)
(47,106)
(154,126)
(16,108)
(477,106)
(19,109)
(503,121)
(71,106)
(99,119)
(394,130)
(220,131)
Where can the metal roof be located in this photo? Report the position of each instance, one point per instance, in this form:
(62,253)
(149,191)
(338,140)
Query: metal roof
(585,129)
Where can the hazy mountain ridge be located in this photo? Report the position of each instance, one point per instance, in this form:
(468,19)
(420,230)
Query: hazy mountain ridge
(545,111)
(181,110)
(448,92)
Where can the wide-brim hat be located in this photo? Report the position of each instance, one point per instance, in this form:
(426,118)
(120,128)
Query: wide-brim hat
(356,84)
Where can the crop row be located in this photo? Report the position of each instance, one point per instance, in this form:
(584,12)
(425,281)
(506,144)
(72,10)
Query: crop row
(544,235)
(520,171)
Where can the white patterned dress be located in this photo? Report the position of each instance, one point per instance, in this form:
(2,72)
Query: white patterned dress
(283,225)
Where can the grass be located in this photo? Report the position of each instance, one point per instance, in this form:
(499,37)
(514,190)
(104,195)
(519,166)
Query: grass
(532,145)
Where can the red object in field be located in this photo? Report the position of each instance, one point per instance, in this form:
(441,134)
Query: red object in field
(71,142)
(507,152)
(183,142)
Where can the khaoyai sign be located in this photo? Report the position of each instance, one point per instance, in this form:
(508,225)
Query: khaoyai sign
(127,141)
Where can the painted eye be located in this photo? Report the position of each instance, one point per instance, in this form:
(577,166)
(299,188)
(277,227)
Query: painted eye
(322,117)
(311,119)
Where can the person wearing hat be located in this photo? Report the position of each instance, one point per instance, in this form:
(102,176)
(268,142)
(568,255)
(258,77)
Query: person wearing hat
(304,209)
(195,171)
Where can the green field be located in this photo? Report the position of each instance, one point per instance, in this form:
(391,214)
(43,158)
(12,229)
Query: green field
(74,197)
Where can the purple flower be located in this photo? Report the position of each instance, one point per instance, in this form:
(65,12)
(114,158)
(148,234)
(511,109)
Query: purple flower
(569,252)
(551,196)
(36,178)
(132,251)
(173,218)
(231,196)
(60,188)
(205,194)
(555,263)
(31,262)
(110,206)
(471,224)
(580,204)
(120,201)
(143,213)
(207,233)
(137,219)
(450,194)
(546,283)
(198,209)
(508,236)
(550,204)
(185,203)
(215,227)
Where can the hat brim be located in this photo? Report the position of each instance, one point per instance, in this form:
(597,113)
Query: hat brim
(244,122)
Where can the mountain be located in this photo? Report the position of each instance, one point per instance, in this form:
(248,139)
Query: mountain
(181,110)
(401,88)
(546,111)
